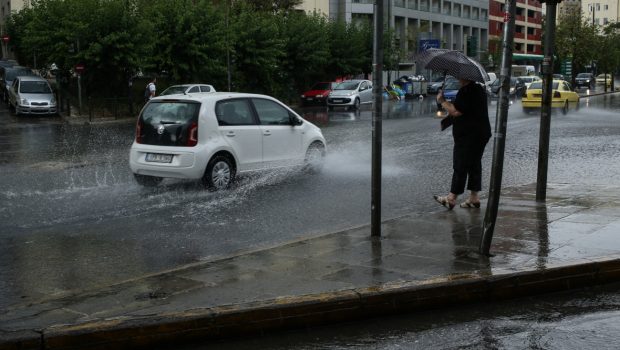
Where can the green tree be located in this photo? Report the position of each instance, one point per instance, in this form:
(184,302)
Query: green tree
(576,40)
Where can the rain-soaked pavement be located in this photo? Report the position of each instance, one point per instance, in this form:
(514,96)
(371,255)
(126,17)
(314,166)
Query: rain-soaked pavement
(72,218)
(576,320)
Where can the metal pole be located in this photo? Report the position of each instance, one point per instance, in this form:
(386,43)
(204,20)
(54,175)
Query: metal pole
(545,111)
(499,139)
(79,79)
(228,46)
(377,90)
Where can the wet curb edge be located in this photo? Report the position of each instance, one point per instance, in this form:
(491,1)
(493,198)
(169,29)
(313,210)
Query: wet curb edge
(312,310)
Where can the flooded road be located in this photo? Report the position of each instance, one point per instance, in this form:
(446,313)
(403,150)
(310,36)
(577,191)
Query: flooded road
(72,217)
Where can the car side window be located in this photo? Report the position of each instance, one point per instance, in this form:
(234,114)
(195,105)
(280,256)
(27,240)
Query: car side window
(194,89)
(363,86)
(234,112)
(204,88)
(15,84)
(565,86)
(271,113)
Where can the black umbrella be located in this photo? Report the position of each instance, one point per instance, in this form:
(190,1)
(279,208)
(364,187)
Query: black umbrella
(454,63)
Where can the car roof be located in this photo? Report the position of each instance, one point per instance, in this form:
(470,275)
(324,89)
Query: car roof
(215,96)
(30,78)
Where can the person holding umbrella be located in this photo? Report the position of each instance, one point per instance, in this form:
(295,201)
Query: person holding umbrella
(471,131)
(469,117)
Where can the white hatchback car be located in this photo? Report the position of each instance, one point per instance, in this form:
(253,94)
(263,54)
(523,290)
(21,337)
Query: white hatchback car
(215,136)
(187,89)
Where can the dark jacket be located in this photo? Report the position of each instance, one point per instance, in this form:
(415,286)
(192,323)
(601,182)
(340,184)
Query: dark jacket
(471,101)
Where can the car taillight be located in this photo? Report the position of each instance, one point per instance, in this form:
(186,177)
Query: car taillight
(557,94)
(192,135)
(139,131)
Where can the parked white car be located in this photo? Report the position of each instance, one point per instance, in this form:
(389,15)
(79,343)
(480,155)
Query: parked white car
(350,94)
(31,95)
(187,89)
(529,79)
(216,136)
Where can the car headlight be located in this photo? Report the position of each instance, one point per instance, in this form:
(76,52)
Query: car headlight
(23,101)
(319,96)
(512,90)
(303,96)
(53,101)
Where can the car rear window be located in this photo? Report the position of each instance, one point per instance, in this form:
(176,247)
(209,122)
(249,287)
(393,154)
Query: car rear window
(538,85)
(34,87)
(166,122)
(178,89)
(583,75)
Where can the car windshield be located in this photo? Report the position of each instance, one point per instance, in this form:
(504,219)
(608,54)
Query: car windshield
(347,85)
(34,87)
(583,75)
(11,74)
(321,86)
(513,82)
(175,89)
(538,85)
(602,76)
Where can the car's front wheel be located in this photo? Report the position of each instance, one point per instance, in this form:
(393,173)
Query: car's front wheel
(356,104)
(147,181)
(220,173)
(315,157)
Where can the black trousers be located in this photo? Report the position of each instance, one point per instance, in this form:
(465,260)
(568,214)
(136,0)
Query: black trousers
(467,164)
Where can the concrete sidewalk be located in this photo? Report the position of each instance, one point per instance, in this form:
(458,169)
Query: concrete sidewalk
(420,262)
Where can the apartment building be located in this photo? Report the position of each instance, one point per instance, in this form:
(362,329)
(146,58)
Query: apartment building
(453,24)
(566,7)
(528,28)
(601,12)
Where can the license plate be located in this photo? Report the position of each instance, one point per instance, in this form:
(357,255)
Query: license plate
(309,99)
(337,101)
(158,158)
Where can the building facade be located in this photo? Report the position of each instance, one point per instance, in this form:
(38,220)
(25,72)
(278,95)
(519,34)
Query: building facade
(454,24)
(601,12)
(566,7)
(528,27)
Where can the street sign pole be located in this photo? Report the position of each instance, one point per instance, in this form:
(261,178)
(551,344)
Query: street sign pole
(377,89)
(545,111)
(499,139)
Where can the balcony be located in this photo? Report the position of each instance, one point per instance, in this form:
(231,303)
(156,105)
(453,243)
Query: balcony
(399,3)
(533,37)
(423,7)
(520,18)
(435,9)
(363,2)
(519,35)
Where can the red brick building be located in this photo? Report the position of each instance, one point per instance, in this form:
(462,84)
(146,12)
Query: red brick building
(528,27)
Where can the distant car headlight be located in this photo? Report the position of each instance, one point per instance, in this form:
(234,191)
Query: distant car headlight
(319,96)
(23,101)
(53,101)
(512,90)
(303,96)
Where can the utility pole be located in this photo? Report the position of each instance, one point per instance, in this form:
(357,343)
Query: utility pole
(545,111)
(499,139)
(377,90)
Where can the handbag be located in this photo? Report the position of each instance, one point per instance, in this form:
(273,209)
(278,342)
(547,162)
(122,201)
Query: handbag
(446,122)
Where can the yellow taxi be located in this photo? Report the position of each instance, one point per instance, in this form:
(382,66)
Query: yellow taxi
(563,98)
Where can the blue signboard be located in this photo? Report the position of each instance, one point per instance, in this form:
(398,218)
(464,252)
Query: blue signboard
(426,44)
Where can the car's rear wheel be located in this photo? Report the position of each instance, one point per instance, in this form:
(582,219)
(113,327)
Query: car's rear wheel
(220,173)
(565,108)
(147,181)
(315,157)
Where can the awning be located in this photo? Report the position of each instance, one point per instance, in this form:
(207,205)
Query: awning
(527,57)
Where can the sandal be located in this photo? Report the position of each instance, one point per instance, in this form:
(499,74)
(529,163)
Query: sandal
(443,200)
(468,204)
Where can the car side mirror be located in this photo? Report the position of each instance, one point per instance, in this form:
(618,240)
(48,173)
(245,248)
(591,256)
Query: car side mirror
(295,121)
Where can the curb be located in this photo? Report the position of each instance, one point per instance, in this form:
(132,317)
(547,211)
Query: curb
(312,310)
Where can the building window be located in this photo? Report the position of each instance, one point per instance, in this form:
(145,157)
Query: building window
(605,21)
(530,31)
(606,7)
(518,47)
(520,11)
(519,29)
(530,48)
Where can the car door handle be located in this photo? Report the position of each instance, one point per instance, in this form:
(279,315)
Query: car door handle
(231,134)
(267,133)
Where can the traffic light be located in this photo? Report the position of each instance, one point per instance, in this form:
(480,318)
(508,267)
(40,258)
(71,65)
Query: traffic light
(472,46)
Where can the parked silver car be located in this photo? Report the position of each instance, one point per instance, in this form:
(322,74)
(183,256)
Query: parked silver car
(187,89)
(350,94)
(31,95)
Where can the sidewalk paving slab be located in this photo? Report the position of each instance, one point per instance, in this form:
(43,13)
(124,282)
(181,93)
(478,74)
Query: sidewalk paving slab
(422,261)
